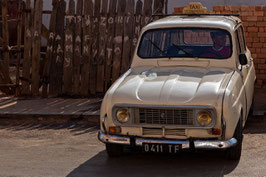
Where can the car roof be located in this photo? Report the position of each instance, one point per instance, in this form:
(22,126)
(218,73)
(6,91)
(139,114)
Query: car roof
(208,21)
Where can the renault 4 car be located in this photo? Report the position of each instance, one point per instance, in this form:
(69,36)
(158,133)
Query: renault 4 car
(190,86)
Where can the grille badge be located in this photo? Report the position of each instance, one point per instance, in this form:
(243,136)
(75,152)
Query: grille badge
(162,115)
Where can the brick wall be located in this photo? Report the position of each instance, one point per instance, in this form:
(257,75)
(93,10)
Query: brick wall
(254,20)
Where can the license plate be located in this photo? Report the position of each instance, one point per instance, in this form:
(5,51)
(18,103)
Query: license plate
(161,148)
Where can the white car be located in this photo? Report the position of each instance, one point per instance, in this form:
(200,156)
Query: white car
(190,86)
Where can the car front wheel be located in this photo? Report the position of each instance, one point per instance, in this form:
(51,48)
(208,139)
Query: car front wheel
(114,150)
(234,153)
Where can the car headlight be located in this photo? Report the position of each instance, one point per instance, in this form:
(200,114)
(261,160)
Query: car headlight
(204,118)
(122,115)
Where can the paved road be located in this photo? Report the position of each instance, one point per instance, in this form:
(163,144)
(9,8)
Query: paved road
(72,150)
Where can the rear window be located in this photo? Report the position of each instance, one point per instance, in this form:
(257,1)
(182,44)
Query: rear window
(185,42)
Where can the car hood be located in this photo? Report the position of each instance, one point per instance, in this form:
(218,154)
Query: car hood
(172,86)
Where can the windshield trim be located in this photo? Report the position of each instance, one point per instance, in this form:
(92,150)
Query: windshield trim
(165,57)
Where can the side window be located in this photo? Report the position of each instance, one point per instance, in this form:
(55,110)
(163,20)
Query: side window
(241,39)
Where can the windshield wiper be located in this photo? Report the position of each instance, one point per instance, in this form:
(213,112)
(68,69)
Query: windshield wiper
(179,48)
(160,50)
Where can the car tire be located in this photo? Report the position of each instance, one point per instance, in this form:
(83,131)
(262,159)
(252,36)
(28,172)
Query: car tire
(234,153)
(114,150)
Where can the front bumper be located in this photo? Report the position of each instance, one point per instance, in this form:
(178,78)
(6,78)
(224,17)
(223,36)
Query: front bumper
(186,144)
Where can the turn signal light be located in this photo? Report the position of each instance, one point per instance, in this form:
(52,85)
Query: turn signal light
(216,131)
(114,129)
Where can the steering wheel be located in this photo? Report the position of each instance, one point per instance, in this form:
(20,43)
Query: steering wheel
(218,55)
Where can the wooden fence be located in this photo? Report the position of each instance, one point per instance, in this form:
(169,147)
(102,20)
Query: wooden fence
(89,45)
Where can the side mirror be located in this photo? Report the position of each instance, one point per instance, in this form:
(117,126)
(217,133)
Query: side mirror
(243,59)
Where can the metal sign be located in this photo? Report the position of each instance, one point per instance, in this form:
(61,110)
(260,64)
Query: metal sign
(195,8)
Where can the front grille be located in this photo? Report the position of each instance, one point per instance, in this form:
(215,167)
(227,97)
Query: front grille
(152,131)
(162,116)
(163,132)
(175,132)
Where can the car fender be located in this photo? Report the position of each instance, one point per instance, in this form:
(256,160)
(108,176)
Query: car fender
(105,106)
(234,104)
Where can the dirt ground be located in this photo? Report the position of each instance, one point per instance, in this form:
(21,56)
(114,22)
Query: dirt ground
(33,149)
(45,150)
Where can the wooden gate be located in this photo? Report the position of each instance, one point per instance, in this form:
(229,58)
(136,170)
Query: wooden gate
(89,45)
(10,27)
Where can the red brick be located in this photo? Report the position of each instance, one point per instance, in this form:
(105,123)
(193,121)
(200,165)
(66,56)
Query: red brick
(257,45)
(235,8)
(249,44)
(252,18)
(261,29)
(255,62)
(263,50)
(262,55)
(252,24)
(261,61)
(258,86)
(261,76)
(227,8)
(178,10)
(262,34)
(258,13)
(252,50)
(245,8)
(245,24)
(259,81)
(262,39)
(262,66)
(252,8)
(249,39)
(256,39)
(258,8)
(260,19)
(246,13)
(258,50)
(218,8)
(244,18)
(253,29)
(261,23)
(227,12)
(252,34)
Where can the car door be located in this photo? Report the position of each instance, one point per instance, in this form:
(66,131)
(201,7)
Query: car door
(247,71)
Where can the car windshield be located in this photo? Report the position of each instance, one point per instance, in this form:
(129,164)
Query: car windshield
(185,42)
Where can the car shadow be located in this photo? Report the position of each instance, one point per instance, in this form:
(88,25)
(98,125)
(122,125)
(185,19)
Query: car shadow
(183,164)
